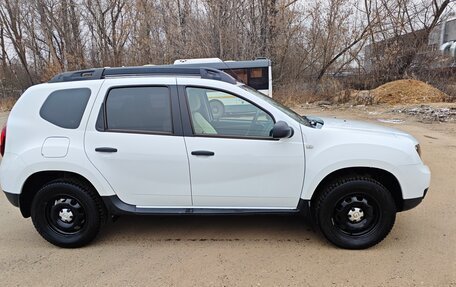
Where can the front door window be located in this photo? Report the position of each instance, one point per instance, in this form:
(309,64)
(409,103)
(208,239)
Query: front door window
(217,113)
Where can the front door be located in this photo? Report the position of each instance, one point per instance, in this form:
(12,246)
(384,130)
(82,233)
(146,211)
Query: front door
(234,161)
(136,142)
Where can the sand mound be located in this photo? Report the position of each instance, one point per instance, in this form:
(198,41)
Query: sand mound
(406,92)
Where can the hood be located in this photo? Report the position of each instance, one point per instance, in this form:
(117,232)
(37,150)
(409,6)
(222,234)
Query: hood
(361,126)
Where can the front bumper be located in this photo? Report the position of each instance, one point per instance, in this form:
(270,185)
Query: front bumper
(12,198)
(414,179)
(413,202)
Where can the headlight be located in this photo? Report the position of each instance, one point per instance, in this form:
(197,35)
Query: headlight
(418,149)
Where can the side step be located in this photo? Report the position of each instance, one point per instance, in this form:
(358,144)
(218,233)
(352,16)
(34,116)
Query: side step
(118,207)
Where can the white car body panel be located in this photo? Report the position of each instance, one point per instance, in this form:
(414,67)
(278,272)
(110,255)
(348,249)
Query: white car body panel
(261,180)
(158,170)
(343,144)
(55,147)
(148,169)
(246,173)
(27,132)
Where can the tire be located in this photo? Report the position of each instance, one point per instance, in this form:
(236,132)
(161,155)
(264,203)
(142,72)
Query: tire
(67,214)
(355,212)
(217,108)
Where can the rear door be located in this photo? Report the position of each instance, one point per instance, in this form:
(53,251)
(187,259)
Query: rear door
(135,141)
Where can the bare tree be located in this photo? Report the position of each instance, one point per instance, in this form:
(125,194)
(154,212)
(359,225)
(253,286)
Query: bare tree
(306,40)
(10,14)
(110,26)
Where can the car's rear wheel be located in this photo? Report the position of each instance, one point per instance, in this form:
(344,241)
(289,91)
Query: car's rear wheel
(67,214)
(355,213)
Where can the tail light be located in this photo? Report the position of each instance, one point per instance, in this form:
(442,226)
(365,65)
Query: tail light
(3,141)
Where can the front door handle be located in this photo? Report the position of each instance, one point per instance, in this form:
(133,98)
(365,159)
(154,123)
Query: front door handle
(203,152)
(105,149)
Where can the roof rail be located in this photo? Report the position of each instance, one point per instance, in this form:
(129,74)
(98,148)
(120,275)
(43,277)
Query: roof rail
(102,73)
(89,74)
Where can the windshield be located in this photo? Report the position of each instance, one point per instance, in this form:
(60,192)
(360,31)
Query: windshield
(292,114)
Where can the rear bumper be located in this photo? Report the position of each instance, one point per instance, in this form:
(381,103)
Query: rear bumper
(413,202)
(12,198)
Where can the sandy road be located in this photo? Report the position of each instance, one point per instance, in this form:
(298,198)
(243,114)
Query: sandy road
(250,251)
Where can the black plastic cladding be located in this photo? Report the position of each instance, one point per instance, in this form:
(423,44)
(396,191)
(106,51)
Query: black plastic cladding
(101,73)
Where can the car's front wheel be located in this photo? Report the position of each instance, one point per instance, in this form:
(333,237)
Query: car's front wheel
(355,213)
(67,214)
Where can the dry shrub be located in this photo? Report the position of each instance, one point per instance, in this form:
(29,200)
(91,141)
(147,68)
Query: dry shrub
(308,92)
(450,90)
(50,71)
(407,91)
(344,96)
(7,103)
(328,88)
(293,94)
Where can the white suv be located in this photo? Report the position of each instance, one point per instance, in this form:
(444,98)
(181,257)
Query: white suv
(94,144)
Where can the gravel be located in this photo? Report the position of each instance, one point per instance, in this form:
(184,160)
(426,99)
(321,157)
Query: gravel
(428,113)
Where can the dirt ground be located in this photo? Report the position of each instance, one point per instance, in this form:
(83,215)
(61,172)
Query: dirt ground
(252,251)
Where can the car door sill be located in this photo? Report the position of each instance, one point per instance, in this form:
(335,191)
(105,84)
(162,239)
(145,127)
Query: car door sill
(117,207)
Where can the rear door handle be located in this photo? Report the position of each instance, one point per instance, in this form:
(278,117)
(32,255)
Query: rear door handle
(203,152)
(105,149)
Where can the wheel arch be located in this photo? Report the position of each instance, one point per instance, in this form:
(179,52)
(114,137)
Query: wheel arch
(385,177)
(38,179)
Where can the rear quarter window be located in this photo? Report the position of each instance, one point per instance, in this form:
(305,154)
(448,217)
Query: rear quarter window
(65,108)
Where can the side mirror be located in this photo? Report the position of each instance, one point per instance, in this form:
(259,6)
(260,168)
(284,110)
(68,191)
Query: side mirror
(282,130)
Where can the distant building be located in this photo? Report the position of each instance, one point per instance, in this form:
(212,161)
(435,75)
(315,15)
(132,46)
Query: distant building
(442,40)
(444,37)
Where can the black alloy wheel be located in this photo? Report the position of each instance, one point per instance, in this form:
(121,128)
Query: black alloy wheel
(67,213)
(355,212)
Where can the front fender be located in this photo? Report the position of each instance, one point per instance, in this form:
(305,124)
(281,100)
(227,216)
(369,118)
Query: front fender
(313,179)
(332,150)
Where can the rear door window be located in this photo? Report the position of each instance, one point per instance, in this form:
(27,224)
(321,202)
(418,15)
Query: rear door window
(65,108)
(139,109)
